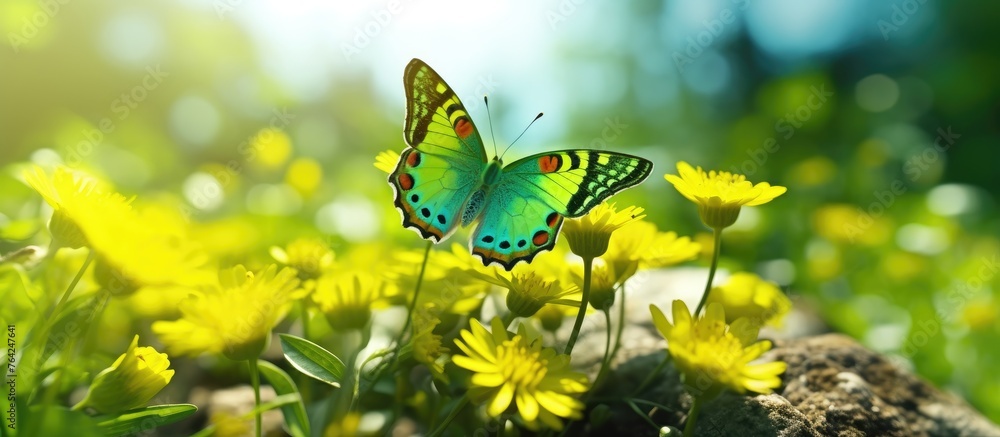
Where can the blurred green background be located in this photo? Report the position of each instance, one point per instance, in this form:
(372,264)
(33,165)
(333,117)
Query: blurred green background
(262,120)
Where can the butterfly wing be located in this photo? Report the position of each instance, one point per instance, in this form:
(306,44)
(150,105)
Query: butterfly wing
(443,164)
(525,210)
(436,120)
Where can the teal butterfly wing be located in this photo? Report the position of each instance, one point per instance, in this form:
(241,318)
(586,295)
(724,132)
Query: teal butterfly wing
(437,174)
(524,211)
(443,179)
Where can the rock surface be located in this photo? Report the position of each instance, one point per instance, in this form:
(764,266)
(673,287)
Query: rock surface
(833,386)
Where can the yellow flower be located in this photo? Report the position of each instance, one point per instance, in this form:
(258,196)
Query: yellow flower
(712,355)
(530,286)
(668,249)
(603,283)
(233,318)
(453,279)
(528,292)
(135,377)
(639,245)
(79,207)
(588,235)
(551,317)
(518,371)
(387,160)
(133,248)
(310,257)
(720,194)
(747,295)
(347,298)
(427,346)
(148,247)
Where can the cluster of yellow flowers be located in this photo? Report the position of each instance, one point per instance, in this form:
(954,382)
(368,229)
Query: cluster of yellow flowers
(231,311)
(614,245)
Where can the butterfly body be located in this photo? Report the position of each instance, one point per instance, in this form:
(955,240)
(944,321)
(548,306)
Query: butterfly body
(443,179)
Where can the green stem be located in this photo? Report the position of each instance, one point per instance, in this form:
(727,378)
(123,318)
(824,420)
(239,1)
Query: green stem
(50,393)
(606,361)
(366,337)
(451,416)
(711,271)
(304,315)
(588,263)
(255,382)
(621,326)
(692,417)
(652,375)
(641,414)
(72,284)
(413,303)
(406,326)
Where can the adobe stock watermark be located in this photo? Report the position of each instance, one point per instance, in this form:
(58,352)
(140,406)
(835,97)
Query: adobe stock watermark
(122,107)
(612,130)
(485,86)
(900,15)
(714,28)
(958,295)
(223,7)
(563,10)
(757,157)
(914,167)
(963,291)
(31,25)
(371,29)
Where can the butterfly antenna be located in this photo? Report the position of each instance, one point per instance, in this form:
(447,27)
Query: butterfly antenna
(486,100)
(540,114)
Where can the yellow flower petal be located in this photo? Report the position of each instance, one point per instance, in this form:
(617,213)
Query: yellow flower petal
(484,379)
(527,406)
(660,321)
(713,355)
(682,317)
(537,380)
(720,194)
(501,400)
(559,404)
(134,378)
(216,320)
(386,161)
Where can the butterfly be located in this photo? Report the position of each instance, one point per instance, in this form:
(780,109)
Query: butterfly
(443,179)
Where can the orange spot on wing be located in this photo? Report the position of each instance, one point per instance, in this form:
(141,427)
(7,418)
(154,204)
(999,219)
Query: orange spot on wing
(552,219)
(549,163)
(405,181)
(540,238)
(413,158)
(463,128)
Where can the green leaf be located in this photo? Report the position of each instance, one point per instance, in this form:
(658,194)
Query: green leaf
(295,414)
(14,293)
(312,360)
(143,419)
(20,230)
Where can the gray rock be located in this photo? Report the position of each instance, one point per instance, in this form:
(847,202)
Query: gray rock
(833,386)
